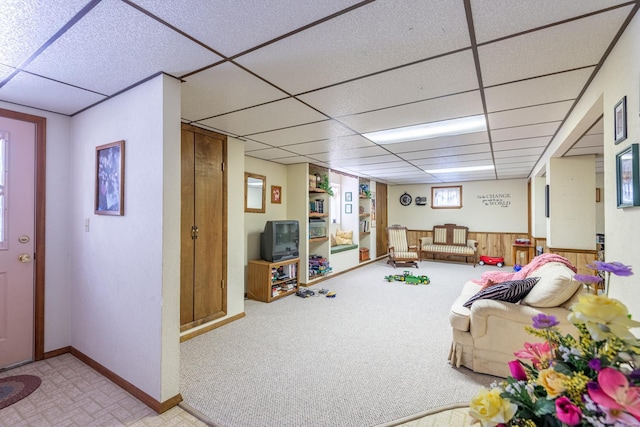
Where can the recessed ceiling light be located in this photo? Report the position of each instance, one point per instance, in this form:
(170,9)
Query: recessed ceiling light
(429,130)
(465,169)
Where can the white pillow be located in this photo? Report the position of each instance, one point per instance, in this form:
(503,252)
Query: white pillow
(556,286)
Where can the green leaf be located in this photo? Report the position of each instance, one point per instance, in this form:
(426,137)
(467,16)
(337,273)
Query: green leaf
(544,407)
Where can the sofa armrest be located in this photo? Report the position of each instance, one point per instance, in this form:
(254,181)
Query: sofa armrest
(426,241)
(483,310)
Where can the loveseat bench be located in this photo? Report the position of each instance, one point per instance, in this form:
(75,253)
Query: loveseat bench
(449,240)
(487,333)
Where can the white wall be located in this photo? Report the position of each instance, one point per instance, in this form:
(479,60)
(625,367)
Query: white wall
(572,215)
(538,218)
(600,204)
(489,206)
(254,222)
(57,317)
(118,282)
(618,77)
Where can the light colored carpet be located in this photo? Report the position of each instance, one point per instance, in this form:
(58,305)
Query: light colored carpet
(374,354)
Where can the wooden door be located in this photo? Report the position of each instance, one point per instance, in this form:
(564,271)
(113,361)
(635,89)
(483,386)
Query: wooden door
(203,256)
(17,236)
(381,219)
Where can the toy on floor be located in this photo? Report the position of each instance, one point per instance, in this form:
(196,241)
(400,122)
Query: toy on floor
(491,260)
(407,277)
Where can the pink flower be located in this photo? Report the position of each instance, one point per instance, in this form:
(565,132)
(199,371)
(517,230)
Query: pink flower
(536,352)
(517,371)
(615,394)
(567,412)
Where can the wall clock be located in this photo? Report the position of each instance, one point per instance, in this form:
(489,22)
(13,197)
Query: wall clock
(405,199)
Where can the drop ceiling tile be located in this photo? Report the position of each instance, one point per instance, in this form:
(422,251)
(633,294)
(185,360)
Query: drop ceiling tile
(397,164)
(590,140)
(532,151)
(105,40)
(26,25)
(563,47)
(516,159)
(271,153)
(441,142)
(530,115)
(528,131)
(292,160)
(432,110)
(327,145)
(45,94)
(498,18)
(514,144)
(598,127)
(443,152)
(250,145)
(350,154)
(275,115)
(232,27)
(365,160)
(541,90)
(429,79)
(304,133)
(5,72)
(222,89)
(466,176)
(380,35)
(465,160)
(580,151)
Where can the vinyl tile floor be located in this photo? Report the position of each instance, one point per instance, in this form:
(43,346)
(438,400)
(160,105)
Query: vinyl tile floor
(73,394)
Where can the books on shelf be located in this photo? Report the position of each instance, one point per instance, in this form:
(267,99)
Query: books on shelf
(364,226)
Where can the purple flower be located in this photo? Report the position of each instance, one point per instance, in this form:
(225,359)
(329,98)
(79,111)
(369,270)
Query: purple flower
(587,279)
(617,268)
(542,321)
(595,364)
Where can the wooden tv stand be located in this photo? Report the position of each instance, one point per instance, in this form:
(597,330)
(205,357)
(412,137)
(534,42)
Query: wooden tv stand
(268,281)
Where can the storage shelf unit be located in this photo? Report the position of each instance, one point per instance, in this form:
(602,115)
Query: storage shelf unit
(268,281)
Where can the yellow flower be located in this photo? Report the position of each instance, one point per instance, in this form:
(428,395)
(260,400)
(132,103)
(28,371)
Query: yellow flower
(603,317)
(491,409)
(553,382)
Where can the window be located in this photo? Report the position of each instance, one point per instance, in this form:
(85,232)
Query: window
(336,203)
(446,197)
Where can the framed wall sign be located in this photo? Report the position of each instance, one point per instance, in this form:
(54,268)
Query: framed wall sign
(627,172)
(446,197)
(110,179)
(620,120)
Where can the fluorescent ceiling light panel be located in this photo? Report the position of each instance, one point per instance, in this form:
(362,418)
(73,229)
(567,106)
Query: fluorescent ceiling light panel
(466,169)
(429,130)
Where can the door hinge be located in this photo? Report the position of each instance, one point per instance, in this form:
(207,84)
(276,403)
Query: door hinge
(194,232)
(222,283)
(222,166)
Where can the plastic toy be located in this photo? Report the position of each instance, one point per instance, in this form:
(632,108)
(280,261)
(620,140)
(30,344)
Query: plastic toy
(407,277)
(491,260)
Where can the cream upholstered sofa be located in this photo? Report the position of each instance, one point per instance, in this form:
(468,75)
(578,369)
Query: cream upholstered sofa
(449,240)
(486,335)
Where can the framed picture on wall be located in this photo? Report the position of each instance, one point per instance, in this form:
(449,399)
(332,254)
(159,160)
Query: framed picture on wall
(348,208)
(627,181)
(109,188)
(446,197)
(348,196)
(620,120)
(276,194)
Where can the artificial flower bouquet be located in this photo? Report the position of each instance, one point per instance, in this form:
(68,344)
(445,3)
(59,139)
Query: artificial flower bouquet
(589,380)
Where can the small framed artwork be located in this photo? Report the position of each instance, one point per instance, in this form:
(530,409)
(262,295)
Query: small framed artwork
(446,197)
(110,179)
(620,120)
(348,208)
(348,197)
(627,172)
(276,194)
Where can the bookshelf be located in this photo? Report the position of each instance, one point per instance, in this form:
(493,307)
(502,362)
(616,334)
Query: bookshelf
(269,281)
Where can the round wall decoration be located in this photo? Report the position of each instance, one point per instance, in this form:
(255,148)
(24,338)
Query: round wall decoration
(405,199)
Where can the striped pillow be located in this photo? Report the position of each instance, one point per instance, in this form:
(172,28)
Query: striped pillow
(512,291)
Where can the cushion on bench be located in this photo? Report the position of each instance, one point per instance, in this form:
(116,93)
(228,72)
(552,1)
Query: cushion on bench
(449,249)
(342,248)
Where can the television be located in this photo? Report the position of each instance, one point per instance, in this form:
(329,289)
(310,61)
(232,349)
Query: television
(279,240)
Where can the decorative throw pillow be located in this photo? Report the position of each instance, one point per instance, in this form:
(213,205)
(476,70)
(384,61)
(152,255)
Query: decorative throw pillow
(512,291)
(333,240)
(344,237)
